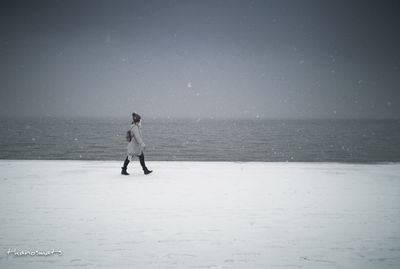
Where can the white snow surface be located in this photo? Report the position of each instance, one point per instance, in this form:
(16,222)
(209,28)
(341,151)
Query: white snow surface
(200,215)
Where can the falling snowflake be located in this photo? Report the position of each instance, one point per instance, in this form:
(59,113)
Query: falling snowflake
(189,85)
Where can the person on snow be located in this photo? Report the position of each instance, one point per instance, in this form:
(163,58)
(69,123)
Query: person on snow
(136,145)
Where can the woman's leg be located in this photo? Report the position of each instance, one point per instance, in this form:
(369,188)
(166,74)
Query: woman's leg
(142,163)
(126,162)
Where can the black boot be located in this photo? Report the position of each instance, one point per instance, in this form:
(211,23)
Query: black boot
(126,162)
(123,172)
(145,170)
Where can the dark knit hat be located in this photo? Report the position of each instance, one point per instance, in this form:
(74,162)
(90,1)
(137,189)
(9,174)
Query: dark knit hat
(136,117)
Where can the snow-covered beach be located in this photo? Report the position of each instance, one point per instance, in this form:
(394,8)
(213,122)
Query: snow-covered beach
(200,215)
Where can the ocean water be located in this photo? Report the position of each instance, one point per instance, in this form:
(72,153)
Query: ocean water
(361,141)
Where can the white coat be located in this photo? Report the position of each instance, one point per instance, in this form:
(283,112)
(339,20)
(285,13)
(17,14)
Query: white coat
(136,146)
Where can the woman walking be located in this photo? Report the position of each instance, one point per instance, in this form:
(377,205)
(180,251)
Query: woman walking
(136,145)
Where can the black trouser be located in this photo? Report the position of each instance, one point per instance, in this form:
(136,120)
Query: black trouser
(141,158)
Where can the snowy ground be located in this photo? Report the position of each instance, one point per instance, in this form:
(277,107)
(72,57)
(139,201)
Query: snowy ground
(200,215)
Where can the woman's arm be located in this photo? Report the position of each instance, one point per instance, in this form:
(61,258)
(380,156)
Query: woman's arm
(138,138)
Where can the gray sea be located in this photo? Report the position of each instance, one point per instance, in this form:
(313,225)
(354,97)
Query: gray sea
(361,141)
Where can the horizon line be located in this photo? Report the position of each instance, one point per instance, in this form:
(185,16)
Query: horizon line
(192,118)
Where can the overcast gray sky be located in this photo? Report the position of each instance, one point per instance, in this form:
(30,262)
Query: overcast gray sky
(268,59)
